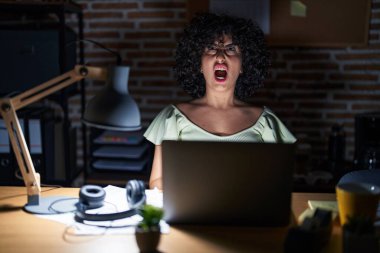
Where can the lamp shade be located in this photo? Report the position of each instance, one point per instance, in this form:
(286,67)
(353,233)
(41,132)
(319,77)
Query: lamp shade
(113,108)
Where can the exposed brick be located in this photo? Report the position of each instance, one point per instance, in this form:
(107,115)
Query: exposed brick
(160,101)
(278,85)
(118,6)
(371,107)
(307,115)
(304,96)
(353,97)
(362,67)
(166,5)
(149,73)
(127,62)
(277,107)
(83,5)
(320,86)
(98,15)
(165,25)
(178,35)
(182,15)
(150,14)
(98,55)
(156,64)
(357,56)
(147,54)
(319,105)
(151,92)
(375,15)
(301,76)
(171,45)
(182,94)
(266,94)
(306,56)
(159,83)
(111,24)
(278,65)
(373,46)
(103,62)
(374,36)
(102,35)
(316,66)
(366,87)
(310,124)
(375,5)
(374,27)
(121,45)
(340,115)
(147,35)
(351,77)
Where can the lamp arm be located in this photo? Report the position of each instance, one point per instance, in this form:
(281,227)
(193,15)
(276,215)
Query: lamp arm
(9,106)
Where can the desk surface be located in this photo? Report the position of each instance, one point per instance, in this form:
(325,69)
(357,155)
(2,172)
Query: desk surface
(23,232)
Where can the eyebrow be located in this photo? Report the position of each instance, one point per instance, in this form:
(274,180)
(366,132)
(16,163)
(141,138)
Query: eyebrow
(231,44)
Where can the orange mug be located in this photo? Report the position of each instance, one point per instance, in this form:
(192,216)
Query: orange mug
(357,200)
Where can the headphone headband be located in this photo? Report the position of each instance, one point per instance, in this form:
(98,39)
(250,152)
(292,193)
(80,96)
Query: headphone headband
(92,196)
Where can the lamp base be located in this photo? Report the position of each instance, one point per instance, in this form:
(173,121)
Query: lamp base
(53,205)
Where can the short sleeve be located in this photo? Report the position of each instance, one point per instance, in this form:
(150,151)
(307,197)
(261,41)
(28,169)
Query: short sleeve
(164,126)
(276,130)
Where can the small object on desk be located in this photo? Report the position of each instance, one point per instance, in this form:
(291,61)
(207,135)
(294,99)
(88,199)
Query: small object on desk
(115,201)
(148,232)
(312,235)
(329,205)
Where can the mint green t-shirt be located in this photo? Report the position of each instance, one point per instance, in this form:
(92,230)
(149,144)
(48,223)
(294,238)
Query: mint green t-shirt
(172,124)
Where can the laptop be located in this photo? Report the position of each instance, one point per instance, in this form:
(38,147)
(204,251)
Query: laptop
(227,183)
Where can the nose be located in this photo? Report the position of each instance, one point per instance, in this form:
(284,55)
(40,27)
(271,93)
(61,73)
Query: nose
(220,56)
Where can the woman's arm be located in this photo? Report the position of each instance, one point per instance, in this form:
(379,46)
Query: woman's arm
(156,174)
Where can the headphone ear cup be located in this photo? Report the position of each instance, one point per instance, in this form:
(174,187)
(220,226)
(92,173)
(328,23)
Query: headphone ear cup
(91,196)
(135,190)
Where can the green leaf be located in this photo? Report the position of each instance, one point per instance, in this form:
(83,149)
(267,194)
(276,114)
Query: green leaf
(151,216)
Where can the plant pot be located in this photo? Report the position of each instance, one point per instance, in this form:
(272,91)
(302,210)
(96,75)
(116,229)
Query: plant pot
(147,241)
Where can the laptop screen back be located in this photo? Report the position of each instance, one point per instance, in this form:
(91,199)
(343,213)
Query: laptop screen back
(227,183)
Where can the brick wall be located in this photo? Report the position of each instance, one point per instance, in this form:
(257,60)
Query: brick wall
(309,88)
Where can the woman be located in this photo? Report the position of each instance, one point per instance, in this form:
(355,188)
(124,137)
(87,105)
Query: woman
(220,62)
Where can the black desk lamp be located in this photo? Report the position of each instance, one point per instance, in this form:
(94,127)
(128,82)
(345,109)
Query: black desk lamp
(113,108)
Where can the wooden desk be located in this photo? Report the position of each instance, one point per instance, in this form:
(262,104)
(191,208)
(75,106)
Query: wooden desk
(23,232)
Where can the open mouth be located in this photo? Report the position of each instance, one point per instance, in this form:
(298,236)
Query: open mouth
(220,72)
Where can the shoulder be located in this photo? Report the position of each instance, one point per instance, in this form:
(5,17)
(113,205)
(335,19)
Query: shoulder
(276,127)
(163,125)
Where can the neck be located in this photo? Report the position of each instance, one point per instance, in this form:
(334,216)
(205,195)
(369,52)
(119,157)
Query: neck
(220,101)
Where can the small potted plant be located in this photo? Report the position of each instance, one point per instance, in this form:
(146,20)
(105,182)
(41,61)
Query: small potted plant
(148,229)
(359,235)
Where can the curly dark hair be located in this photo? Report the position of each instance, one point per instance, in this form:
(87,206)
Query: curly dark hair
(202,31)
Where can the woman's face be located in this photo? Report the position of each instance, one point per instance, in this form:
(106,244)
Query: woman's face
(221,64)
